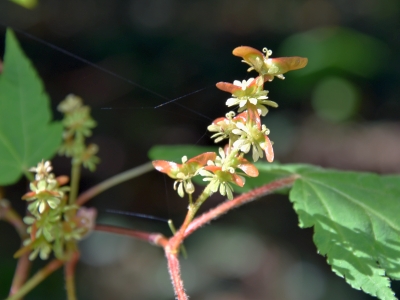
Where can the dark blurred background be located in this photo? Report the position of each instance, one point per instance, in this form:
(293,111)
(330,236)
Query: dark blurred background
(342,111)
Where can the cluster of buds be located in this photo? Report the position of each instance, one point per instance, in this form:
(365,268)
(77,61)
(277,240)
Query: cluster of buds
(78,125)
(50,226)
(243,131)
(219,170)
(55,223)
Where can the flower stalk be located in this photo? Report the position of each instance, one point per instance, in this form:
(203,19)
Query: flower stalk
(70,276)
(75,177)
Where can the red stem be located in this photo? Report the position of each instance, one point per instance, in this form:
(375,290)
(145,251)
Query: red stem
(174,272)
(236,202)
(24,264)
(153,238)
(171,246)
(36,279)
(21,273)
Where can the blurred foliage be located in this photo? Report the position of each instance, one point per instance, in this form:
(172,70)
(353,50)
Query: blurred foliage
(343,49)
(335,99)
(26,3)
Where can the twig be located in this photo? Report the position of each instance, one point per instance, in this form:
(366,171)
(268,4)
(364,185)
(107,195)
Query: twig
(176,241)
(75,176)
(238,201)
(8,214)
(174,272)
(69,269)
(21,273)
(37,278)
(153,238)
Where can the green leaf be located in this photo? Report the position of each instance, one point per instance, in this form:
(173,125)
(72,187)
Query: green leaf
(27,134)
(270,172)
(355,219)
(356,223)
(175,152)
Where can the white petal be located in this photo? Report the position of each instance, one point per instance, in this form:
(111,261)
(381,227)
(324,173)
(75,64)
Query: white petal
(245,148)
(242,103)
(260,151)
(237,131)
(253,101)
(221,153)
(214,186)
(255,154)
(189,188)
(222,189)
(271,103)
(29,220)
(231,101)
(42,206)
(241,126)
(213,127)
(53,203)
(250,80)
(181,193)
(262,110)
(229,192)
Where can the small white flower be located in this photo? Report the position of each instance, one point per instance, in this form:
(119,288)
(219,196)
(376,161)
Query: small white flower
(244,83)
(42,169)
(250,136)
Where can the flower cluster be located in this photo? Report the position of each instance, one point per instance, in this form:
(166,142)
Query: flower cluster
(246,93)
(183,173)
(50,225)
(78,125)
(268,67)
(244,131)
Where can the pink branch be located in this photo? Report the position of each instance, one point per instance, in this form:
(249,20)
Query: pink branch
(153,238)
(174,272)
(159,240)
(36,279)
(171,246)
(21,273)
(8,214)
(238,201)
